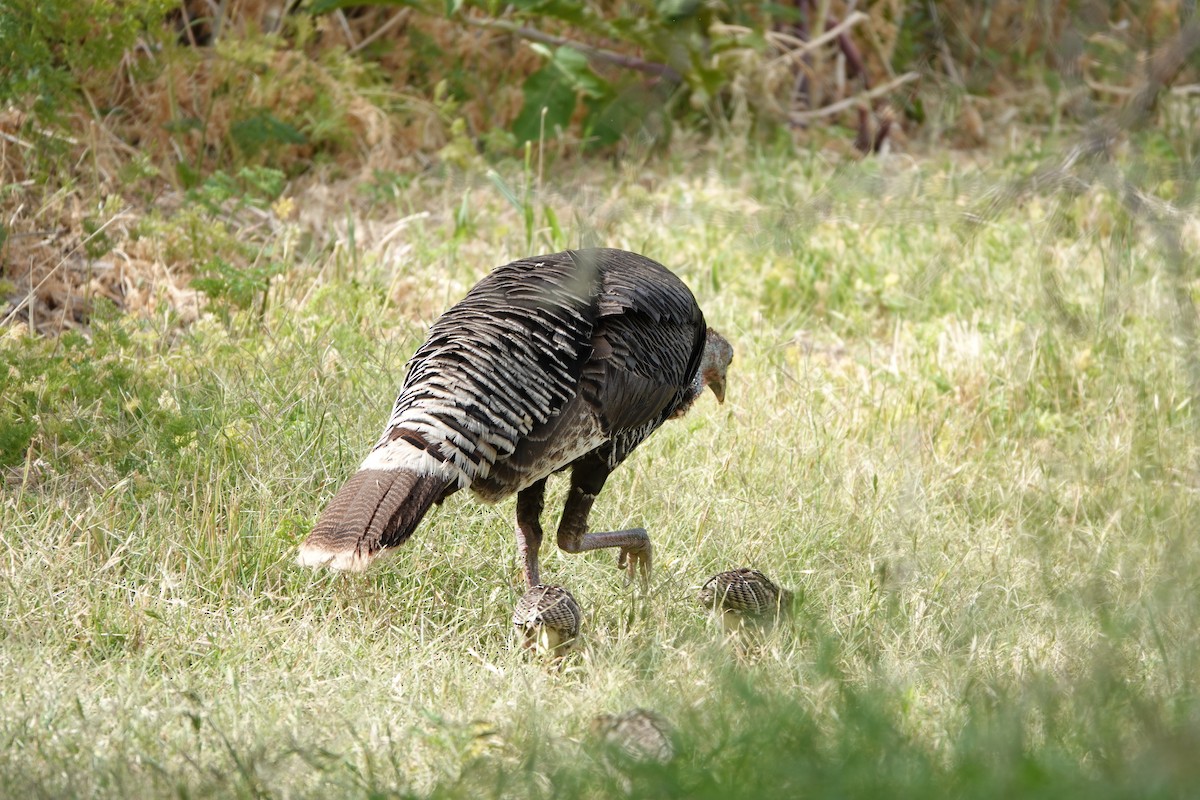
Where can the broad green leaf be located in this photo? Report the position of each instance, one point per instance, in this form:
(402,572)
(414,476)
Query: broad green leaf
(545,89)
(677,9)
(575,68)
(612,116)
(570,11)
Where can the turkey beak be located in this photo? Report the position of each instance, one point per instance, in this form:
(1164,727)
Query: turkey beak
(718,388)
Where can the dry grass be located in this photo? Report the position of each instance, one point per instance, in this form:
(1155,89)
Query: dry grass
(960,425)
(985,511)
(359,85)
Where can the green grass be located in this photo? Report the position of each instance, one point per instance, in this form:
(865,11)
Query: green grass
(974,460)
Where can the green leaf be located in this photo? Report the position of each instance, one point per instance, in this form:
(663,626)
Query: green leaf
(610,116)
(570,11)
(262,182)
(183,124)
(505,189)
(239,286)
(575,68)
(677,9)
(545,89)
(263,128)
(189,176)
(556,233)
(325,6)
(554,88)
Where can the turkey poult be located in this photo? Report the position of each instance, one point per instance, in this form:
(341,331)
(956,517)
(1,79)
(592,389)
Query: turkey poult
(638,734)
(548,618)
(564,360)
(744,592)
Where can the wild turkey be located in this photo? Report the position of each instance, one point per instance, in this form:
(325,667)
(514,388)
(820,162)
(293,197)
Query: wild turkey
(565,360)
(548,618)
(744,593)
(638,735)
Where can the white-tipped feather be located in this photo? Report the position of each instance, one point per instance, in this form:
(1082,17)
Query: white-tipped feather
(316,556)
(399,454)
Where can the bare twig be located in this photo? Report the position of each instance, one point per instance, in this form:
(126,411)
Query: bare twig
(799,47)
(596,53)
(52,134)
(187,24)
(218,24)
(8,137)
(802,117)
(849,65)
(345,26)
(1126,91)
(398,18)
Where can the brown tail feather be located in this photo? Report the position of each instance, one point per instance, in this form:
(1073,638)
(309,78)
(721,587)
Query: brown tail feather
(374,510)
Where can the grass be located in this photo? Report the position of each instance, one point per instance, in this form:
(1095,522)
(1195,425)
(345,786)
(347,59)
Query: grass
(974,459)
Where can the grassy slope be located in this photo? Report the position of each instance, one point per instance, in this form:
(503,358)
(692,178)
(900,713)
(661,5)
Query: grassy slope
(989,514)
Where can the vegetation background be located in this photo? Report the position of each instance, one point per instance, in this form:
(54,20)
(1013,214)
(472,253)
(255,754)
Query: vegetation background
(955,247)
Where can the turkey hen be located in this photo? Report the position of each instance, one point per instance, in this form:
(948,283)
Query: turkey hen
(565,360)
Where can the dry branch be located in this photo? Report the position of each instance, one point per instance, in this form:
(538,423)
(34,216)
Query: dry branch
(398,18)
(804,117)
(797,47)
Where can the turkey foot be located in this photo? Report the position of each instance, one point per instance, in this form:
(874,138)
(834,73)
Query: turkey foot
(634,555)
(572,528)
(637,560)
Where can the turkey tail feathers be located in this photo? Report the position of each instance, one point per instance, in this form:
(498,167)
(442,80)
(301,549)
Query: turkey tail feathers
(374,510)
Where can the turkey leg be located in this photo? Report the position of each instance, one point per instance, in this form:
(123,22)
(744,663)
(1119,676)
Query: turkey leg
(587,479)
(530,502)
